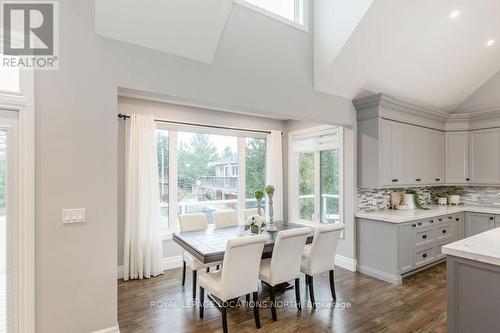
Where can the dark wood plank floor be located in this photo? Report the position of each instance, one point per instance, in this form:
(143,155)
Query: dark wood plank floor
(365,304)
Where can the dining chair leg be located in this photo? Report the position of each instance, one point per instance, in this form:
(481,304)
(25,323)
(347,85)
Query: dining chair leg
(194,284)
(297,293)
(247,298)
(202,300)
(183,272)
(332,284)
(307,280)
(224,318)
(217,267)
(256,309)
(208,269)
(311,291)
(273,303)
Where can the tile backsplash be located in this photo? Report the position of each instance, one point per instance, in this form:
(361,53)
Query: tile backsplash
(377,199)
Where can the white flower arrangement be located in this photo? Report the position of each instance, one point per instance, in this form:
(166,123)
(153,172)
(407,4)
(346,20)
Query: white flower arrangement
(255,222)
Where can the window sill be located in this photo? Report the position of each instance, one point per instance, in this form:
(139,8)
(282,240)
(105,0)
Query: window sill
(166,235)
(272,15)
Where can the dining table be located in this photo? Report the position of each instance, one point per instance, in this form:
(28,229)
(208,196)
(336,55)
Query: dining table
(209,245)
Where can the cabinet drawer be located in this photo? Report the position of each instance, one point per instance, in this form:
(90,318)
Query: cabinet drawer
(439,251)
(444,232)
(424,257)
(424,237)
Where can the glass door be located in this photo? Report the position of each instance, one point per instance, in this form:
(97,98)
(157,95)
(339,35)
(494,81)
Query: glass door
(8,222)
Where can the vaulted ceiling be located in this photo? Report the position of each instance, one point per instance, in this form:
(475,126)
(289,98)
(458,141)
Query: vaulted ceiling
(186,28)
(427,52)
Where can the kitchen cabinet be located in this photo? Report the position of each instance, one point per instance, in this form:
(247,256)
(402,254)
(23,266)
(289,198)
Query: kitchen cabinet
(476,223)
(485,156)
(394,154)
(391,251)
(457,157)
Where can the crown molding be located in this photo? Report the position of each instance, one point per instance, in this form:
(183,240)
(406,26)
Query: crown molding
(385,106)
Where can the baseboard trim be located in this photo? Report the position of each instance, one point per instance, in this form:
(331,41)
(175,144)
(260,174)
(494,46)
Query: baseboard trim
(345,262)
(394,279)
(113,329)
(167,263)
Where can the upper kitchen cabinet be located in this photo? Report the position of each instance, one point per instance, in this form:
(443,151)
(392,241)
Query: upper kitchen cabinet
(393,154)
(457,157)
(485,156)
(400,144)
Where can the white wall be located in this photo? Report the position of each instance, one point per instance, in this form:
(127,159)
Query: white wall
(261,66)
(487,97)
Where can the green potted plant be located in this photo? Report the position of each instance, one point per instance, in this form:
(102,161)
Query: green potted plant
(416,198)
(269,189)
(454,194)
(440,194)
(259,194)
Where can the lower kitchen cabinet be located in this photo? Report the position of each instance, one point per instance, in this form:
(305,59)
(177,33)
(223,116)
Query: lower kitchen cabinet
(390,251)
(476,223)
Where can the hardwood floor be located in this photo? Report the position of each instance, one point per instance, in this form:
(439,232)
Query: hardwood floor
(364,304)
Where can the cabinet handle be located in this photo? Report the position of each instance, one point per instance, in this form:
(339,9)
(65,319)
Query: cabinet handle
(394,180)
(467,179)
(450,217)
(457,219)
(491,217)
(424,255)
(418,179)
(440,220)
(413,225)
(431,221)
(444,231)
(424,236)
(437,179)
(419,223)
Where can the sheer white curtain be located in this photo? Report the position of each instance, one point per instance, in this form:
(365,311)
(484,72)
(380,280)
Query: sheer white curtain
(274,172)
(142,245)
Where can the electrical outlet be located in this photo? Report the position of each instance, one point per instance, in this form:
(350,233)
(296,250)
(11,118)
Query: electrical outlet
(77,215)
(374,202)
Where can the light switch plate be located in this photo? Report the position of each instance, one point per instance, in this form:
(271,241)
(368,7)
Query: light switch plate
(77,215)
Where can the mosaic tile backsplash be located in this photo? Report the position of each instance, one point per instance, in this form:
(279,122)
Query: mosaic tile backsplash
(377,199)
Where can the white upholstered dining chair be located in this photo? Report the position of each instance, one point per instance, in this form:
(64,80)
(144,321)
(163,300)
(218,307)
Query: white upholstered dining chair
(319,257)
(193,222)
(238,276)
(247,212)
(284,264)
(225,218)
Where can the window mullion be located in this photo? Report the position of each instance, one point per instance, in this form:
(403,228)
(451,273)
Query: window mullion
(317,187)
(172,181)
(241,176)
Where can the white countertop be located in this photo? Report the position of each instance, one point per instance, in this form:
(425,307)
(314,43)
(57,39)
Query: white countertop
(400,216)
(483,247)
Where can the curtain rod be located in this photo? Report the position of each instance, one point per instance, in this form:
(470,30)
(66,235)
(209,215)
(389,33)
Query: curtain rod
(126,116)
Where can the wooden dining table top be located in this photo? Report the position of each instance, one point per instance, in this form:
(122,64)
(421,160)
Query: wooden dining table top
(209,245)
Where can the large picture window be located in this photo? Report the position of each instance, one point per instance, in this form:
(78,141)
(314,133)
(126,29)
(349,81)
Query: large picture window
(202,170)
(316,175)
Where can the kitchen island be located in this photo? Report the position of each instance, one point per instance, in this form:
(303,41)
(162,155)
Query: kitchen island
(473,279)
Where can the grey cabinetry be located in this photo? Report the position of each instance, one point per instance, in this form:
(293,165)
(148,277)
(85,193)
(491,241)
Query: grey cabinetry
(457,157)
(392,154)
(476,223)
(390,251)
(485,156)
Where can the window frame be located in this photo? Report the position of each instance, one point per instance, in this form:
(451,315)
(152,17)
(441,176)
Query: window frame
(293,170)
(173,129)
(295,23)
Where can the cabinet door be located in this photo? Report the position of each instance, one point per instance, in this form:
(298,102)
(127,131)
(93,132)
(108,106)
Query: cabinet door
(476,223)
(457,157)
(427,154)
(437,161)
(406,248)
(393,141)
(485,156)
(415,151)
